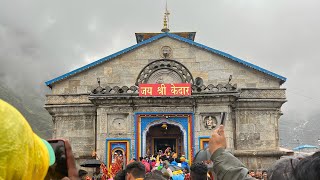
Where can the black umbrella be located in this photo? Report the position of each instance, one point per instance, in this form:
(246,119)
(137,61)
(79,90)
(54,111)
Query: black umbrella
(91,163)
(82,172)
(204,156)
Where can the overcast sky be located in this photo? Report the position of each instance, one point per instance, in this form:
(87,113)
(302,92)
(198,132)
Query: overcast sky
(40,40)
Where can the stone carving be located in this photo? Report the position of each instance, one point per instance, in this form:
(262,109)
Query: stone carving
(258,113)
(115,90)
(119,124)
(170,65)
(164,76)
(67,99)
(210,122)
(115,109)
(165,71)
(263,93)
(166,52)
(213,89)
(71,110)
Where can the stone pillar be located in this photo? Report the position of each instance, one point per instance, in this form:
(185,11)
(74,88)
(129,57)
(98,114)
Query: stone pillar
(257,129)
(112,122)
(257,112)
(75,124)
(73,116)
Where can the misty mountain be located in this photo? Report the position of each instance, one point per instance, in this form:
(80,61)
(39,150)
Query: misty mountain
(297,130)
(31,106)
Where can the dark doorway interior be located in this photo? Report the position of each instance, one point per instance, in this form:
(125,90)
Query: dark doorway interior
(161,136)
(163,143)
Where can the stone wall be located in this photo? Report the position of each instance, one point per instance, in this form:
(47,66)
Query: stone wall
(205,110)
(74,122)
(124,69)
(257,129)
(257,113)
(257,162)
(113,122)
(252,112)
(251,123)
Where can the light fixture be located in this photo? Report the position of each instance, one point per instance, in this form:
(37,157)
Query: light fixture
(164,125)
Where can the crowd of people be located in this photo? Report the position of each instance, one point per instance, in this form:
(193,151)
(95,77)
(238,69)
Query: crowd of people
(259,174)
(169,163)
(24,155)
(219,164)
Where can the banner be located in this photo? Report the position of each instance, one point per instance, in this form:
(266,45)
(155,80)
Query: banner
(182,89)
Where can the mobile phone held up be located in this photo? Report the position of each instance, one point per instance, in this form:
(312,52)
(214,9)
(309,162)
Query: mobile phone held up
(223,117)
(59,169)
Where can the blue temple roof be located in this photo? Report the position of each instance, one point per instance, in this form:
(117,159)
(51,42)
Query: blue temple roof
(171,35)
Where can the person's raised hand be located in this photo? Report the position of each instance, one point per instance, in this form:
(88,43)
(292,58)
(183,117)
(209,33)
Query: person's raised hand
(217,140)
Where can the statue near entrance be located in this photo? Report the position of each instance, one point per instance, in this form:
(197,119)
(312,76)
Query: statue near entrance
(210,122)
(117,163)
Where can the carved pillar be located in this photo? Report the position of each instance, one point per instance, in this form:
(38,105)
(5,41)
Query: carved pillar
(113,122)
(256,129)
(257,112)
(73,118)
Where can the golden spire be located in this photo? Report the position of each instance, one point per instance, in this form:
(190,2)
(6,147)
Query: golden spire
(166,20)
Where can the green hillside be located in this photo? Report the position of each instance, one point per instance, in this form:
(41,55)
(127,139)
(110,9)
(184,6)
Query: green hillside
(31,107)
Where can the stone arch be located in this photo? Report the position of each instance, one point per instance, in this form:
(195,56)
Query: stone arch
(118,149)
(165,68)
(160,121)
(122,153)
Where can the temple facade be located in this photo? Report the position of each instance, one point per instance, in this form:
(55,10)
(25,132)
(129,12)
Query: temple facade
(98,107)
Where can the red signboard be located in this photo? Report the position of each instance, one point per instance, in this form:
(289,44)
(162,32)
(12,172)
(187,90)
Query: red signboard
(182,89)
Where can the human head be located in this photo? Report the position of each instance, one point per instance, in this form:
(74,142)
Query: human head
(251,173)
(182,159)
(283,169)
(23,154)
(259,174)
(198,171)
(157,172)
(264,174)
(308,168)
(121,175)
(135,170)
(294,168)
(185,170)
(204,156)
(82,174)
(154,176)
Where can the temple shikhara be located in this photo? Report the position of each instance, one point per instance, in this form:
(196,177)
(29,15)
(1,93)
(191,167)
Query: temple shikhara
(168,91)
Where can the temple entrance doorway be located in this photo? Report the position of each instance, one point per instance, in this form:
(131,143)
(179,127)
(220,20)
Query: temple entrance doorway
(161,144)
(161,136)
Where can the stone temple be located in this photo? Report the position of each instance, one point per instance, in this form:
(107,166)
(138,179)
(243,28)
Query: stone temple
(98,107)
